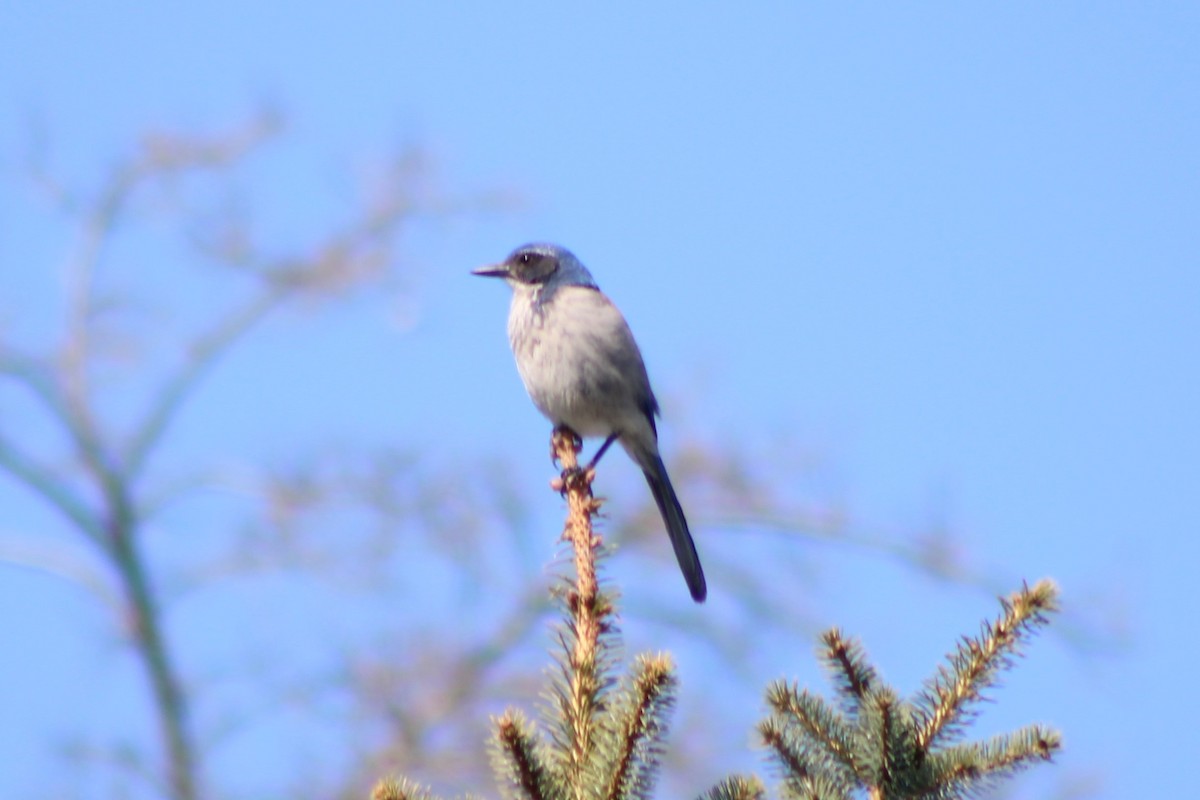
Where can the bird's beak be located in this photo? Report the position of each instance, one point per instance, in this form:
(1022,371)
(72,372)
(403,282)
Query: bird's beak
(492,271)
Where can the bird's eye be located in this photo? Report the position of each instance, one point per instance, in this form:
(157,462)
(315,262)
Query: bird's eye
(526,258)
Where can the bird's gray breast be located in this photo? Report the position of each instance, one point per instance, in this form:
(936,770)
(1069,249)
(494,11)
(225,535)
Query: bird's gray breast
(578,360)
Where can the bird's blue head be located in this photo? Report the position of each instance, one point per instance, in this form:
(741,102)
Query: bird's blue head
(540,264)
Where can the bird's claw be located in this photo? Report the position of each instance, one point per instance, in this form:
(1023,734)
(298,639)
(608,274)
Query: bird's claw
(561,433)
(573,478)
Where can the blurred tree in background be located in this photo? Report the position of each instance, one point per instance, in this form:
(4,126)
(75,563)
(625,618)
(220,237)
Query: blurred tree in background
(417,580)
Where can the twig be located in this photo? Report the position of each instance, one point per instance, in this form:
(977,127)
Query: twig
(585,605)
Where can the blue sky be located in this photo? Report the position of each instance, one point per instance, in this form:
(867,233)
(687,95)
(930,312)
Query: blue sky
(953,248)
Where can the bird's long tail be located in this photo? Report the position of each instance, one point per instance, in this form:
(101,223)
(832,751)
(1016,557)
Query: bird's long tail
(677,527)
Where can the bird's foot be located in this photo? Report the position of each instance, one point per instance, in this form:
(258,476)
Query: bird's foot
(573,478)
(563,436)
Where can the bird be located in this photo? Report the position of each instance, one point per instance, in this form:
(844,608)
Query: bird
(583,370)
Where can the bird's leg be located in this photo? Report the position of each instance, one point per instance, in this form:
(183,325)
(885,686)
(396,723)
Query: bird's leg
(570,475)
(596,458)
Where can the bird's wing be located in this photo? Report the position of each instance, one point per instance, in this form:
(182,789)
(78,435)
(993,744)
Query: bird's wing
(613,351)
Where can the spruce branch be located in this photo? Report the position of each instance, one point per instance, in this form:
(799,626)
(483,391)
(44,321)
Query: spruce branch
(737,787)
(803,769)
(973,767)
(404,789)
(975,664)
(886,747)
(816,787)
(892,761)
(589,615)
(519,766)
(819,737)
(853,676)
(640,726)
(786,748)
(399,789)
(601,745)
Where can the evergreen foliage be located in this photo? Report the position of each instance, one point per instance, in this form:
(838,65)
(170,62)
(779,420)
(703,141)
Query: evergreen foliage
(605,733)
(890,748)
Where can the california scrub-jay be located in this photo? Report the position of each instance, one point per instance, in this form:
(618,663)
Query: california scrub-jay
(583,370)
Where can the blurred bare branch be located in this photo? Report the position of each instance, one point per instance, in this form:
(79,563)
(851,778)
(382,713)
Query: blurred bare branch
(99,488)
(61,561)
